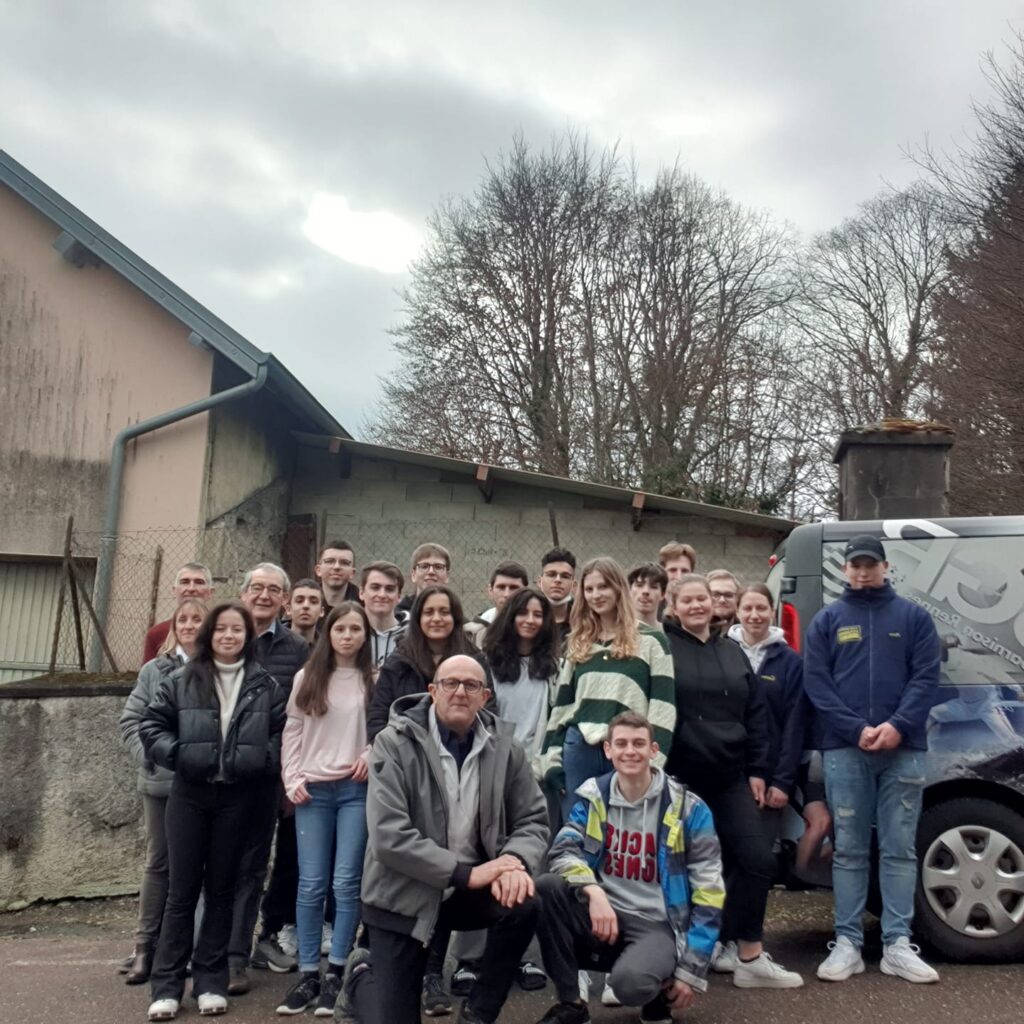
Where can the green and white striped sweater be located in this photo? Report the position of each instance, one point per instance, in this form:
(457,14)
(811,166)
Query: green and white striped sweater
(591,693)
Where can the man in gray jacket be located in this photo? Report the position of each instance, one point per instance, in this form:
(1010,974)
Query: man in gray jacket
(457,827)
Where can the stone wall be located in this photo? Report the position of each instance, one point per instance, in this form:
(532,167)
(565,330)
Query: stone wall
(70,815)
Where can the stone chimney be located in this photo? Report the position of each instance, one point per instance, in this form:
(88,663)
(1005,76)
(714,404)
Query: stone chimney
(896,469)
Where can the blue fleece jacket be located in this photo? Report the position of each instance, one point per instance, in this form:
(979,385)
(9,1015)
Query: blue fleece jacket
(872,657)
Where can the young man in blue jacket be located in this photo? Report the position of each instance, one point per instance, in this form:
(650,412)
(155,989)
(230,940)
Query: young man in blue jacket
(871,668)
(636,886)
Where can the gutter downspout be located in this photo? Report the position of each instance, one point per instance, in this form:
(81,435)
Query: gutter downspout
(108,540)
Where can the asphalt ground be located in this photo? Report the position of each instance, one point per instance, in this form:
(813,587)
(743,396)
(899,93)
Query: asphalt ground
(59,963)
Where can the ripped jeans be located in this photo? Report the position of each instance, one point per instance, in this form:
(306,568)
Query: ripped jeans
(880,788)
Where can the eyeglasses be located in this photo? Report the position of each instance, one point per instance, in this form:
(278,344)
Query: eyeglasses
(346,563)
(471,686)
(272,589)
(431,567)
(722,596)
(565,577)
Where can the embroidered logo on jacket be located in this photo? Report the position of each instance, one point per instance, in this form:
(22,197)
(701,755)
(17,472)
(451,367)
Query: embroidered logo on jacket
(849,635)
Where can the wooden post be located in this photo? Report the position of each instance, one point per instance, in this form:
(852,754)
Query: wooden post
(76,613)
(154,592)
(95,622)
(60,597)
(554,526)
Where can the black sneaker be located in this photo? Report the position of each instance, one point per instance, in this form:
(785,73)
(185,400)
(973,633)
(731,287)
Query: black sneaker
(566,1013)
(435,1000)
(531,977)
(657,1011)
(467,1016)
(329,989)
(268,955)
(238,981)
(359,960)
(302,994)
(463,979)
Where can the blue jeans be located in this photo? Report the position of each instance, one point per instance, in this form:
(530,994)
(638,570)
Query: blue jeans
(580,761)
(881,788)
(335,809)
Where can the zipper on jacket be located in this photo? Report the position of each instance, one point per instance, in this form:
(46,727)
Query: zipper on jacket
(871,662)
(239,708)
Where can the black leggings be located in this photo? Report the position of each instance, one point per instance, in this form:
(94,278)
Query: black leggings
(747,858)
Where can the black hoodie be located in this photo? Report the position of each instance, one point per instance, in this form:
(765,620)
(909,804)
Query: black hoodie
(721,729)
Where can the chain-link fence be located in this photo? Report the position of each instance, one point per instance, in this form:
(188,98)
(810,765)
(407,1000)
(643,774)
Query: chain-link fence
(145,563)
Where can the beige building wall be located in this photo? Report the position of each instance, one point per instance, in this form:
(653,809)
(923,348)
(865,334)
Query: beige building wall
(85,354)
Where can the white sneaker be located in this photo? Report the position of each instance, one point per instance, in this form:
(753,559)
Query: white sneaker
(843,961)
(902,960)
(608,996)
(326,937)
(288,940)
(211,1005)
(163,1009)
(584,979)
(725,958)
(764,972)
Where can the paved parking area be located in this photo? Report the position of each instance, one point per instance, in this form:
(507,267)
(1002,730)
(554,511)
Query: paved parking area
(58,963)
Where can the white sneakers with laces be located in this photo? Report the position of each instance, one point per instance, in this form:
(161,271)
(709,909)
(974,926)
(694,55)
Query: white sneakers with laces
(902,960)
(288,940)
(725,957)
(210,1004)
(843,961)
(163,1009)
(764,972)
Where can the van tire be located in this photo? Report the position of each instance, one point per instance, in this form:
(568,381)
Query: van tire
(958,835)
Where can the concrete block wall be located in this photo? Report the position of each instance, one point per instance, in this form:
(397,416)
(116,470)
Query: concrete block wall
(384,509)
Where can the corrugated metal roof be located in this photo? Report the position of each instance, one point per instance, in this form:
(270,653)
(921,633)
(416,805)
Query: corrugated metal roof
(681,506)
(215,332)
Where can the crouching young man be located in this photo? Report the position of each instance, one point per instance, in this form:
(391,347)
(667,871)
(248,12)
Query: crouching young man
(457,828)
(636,886)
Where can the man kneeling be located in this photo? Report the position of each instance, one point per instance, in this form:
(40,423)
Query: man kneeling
(457,826)
(636,888)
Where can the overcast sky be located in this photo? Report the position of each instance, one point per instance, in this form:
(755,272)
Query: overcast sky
(278,160)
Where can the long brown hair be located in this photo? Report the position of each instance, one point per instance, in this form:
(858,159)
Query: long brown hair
(170,644)
(200,670)
(414,645)
(586,624)
(316,673)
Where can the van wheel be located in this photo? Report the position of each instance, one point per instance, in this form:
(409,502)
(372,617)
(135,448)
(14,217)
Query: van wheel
(970,889)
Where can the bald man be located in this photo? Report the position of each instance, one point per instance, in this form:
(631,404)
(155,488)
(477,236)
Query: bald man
(460,857)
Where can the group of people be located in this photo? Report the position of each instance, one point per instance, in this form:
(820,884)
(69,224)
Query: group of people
(587,777)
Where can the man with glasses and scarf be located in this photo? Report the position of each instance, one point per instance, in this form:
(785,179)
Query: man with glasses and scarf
(459,855)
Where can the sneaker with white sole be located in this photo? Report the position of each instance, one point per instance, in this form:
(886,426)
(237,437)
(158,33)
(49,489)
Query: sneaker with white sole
(608,996)
(843,961)
(288,939)
(584,983)
(764,972)
(903,960)
(303,994)
(725,957)
(163,1009)
(210,1004)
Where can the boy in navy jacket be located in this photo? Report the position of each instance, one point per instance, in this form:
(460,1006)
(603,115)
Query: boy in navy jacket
(871,668)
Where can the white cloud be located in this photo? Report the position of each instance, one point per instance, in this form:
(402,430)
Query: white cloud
(377,239)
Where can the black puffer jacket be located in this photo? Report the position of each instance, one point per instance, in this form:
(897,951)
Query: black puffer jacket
(282,654)
(721,721)
(180,729)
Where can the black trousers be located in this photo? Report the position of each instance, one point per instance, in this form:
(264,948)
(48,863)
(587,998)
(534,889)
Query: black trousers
(641,959)
(747,859)
(207,830)
(390,994)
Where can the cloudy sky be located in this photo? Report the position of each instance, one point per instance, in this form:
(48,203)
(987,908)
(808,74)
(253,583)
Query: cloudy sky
(278,160)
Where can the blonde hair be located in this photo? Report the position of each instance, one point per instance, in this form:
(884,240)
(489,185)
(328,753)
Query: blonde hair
(170,644)
(586,624)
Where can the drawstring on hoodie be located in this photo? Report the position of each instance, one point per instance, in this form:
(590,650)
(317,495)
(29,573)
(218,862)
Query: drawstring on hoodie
(756,653)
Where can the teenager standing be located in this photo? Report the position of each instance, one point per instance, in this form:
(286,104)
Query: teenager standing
(216,723)
(324,766)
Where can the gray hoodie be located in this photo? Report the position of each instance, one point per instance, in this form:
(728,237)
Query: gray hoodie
(756,652)
(629,875)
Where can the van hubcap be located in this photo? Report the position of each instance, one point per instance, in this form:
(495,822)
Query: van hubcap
(973,879)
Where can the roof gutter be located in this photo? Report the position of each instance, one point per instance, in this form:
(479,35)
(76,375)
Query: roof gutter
(108,540)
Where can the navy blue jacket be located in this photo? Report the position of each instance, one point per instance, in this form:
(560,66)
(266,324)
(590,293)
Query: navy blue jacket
(781,679)
(869,658)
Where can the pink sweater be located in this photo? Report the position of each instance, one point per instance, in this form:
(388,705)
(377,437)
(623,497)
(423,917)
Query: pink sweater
(322,748)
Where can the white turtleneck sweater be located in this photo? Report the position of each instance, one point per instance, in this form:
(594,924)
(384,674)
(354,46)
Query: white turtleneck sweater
(227,679)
